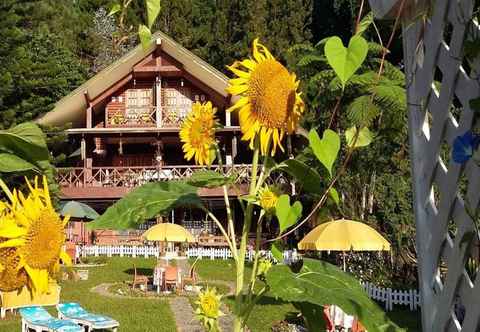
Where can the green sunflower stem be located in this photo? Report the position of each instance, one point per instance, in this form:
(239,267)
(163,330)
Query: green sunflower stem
(239,323)
(231,226)
(257,255)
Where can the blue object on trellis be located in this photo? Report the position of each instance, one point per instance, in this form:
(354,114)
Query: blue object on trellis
(464,147)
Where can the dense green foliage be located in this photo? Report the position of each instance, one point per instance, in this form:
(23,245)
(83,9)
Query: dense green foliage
(377,186)
(37,70)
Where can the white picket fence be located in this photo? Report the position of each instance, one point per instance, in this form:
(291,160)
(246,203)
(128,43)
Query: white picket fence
(390,296)
(152,251)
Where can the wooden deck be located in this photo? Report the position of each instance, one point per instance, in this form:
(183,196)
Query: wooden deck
(115,182)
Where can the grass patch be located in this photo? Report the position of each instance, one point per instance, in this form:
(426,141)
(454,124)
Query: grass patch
(409,320)
(221,288)
(134,315)
(265,314)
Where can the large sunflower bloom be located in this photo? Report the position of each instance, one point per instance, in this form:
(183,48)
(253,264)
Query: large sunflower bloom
(36,233)
(198,133)
(270,104)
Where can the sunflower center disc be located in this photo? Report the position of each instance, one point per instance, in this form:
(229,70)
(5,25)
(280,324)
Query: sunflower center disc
(44,241)
(272,93)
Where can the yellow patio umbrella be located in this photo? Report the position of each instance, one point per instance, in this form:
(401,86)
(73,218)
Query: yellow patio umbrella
(167,232)
(344,235)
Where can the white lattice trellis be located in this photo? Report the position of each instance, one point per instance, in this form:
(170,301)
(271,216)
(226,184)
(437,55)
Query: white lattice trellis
(440,84)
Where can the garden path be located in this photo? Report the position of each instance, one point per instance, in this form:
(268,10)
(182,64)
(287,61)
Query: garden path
(184,315)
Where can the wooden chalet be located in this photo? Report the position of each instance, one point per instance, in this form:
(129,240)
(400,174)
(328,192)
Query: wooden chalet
(126,122)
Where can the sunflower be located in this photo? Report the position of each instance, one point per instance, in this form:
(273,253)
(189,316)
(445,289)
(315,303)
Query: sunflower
(35,232)
(208,310)
(198,133)
(268,197)
(270,104)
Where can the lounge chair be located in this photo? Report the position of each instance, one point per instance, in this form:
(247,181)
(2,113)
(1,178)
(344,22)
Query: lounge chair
(75,313)
(38,319)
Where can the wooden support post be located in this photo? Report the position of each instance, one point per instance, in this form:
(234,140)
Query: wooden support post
(234,147)
(89,116)
(83,149)
(158,101)
(228,119)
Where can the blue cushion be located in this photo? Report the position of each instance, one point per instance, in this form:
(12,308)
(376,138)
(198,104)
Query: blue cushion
(40,316)
(75,311)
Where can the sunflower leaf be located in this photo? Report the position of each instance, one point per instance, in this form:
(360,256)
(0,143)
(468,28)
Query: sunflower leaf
(12,163)
(320,283)
(277,251)
(208,179)
(146,202)
(25,140)
(311,313)
(325,149)
(307,176)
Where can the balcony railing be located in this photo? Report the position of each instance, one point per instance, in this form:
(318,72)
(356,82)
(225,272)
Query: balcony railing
(139,117)
(137,176)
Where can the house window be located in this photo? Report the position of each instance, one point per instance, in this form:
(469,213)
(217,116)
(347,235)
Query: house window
(139,98)
(176,104)
(139,106)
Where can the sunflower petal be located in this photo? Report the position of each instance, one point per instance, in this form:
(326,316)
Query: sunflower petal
(46,192)
(256,54)
(11,230)
(12,243)
(66,219)
(66,259)
(6,190)
(237,89)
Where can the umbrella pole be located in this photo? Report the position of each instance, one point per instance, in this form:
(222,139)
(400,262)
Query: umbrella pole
(344,264)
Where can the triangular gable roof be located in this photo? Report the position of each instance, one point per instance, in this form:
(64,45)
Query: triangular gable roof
(71,108)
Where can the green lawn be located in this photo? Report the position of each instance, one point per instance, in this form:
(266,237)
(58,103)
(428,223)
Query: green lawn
(149,315)
(266,313)
(411,321)
(134,315)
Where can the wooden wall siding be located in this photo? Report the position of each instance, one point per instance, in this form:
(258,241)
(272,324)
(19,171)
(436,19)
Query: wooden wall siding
(177,100)
(131,107)
(134,106)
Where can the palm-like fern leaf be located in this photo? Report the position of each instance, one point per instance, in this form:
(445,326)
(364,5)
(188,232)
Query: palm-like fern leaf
(308,59)
(302,47)
(390,97)
(362,111)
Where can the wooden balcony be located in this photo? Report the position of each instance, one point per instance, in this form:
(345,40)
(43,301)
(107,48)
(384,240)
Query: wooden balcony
(145,117)
(114,182)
